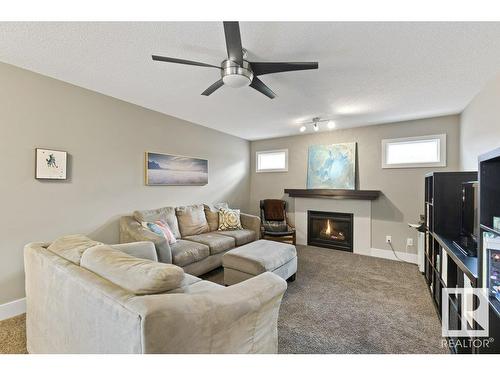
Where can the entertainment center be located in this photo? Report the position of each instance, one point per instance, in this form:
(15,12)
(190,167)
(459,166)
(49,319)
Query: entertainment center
(462,246)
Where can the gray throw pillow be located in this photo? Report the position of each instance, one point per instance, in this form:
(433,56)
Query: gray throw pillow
(192,220)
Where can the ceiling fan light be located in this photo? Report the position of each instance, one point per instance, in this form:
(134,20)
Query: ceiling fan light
(331,124)
(316,127)
(236,80)
(302,129)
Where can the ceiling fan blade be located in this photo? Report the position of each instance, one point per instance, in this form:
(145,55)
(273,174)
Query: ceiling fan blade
(258,85)
(233,41)
(212,88)
(181,61)
(260,68)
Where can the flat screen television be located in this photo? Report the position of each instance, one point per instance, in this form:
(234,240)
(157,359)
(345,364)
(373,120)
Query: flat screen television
(469,220)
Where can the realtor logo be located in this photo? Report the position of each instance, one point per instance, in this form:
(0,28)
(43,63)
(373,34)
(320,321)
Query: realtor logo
(473,320)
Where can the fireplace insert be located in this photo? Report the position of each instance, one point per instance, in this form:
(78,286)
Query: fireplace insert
(333,230)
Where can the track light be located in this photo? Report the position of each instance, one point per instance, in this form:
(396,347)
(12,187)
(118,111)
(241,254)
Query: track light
(315,124)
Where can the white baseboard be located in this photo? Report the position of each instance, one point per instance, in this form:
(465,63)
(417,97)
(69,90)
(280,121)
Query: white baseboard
(11,309)
(388,254)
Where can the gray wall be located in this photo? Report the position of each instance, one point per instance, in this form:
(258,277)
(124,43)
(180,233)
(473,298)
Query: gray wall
(402,201)
(480,125)
(106,140)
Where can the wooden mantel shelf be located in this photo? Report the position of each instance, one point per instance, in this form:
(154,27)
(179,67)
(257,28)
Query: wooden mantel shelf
(334,193)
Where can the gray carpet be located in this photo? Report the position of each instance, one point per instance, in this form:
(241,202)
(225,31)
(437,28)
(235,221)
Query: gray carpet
(339,303)
(347,303)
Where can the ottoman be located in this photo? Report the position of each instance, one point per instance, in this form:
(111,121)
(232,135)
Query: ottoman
(258,257)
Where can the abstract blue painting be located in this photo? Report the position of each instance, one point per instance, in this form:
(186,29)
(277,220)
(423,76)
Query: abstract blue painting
(332,166)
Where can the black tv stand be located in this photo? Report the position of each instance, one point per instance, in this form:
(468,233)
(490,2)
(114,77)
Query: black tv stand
(445,264)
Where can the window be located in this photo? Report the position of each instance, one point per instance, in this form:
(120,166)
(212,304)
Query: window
(272,161)
(414,152)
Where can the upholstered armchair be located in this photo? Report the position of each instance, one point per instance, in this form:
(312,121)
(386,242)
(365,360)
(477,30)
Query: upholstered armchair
(274,221)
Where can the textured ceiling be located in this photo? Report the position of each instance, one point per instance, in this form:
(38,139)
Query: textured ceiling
(368,72)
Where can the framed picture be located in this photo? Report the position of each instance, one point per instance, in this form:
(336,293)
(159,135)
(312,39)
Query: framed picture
(164,169)
(50,164)
(332,166)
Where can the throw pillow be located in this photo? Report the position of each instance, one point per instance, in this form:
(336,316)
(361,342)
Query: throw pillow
(167,232)
(166,214)
(160,230)
(229,219)
(155,228)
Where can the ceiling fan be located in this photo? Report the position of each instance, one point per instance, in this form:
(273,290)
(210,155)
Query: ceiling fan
(236,70)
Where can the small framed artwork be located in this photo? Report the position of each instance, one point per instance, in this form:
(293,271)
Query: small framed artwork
(50,164)
(164,169)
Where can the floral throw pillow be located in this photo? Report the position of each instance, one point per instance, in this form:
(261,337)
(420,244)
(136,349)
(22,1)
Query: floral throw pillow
(229,219)
(161,229)
(167,232)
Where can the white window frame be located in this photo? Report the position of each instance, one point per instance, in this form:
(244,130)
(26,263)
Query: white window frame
(442,151)
(257,153)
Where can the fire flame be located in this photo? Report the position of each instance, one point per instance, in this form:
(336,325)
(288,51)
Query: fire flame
(328,229)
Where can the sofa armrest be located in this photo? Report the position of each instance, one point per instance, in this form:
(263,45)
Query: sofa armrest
(142,249)
(242,318)
(132,231)
(251,222)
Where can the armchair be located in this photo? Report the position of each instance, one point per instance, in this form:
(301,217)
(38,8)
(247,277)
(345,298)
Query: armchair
(274,221)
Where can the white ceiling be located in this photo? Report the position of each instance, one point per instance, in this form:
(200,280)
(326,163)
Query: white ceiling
(368,72)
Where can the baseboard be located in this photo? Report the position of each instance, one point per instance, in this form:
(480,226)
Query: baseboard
(11,309)
(388,254)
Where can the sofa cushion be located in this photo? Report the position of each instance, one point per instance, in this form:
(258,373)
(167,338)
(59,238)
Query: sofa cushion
(216,242)
(259,257)
(72,247)
(140,276)
(199,287)
(140,249)
(212,215)
(241,236)
(187,252)
(192,220)
(166,214)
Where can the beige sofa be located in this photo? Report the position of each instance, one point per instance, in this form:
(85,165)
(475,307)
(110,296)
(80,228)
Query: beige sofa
(200,246)
(71,309)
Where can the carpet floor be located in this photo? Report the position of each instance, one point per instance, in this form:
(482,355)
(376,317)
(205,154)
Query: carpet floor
(347,303)
(339,303)
(13,335)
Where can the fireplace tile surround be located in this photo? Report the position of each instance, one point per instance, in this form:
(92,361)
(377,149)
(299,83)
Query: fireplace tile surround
(360,210)
(355,202)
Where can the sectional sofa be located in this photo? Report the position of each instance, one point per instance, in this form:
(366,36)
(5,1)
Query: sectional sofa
(199,245)
(86,297)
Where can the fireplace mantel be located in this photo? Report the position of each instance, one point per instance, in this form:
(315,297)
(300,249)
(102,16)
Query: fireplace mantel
(334,193)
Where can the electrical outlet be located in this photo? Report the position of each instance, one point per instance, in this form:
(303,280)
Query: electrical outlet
(409,242)
(388,239)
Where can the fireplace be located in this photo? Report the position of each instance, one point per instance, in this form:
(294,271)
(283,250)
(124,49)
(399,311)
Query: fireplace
(333,230)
